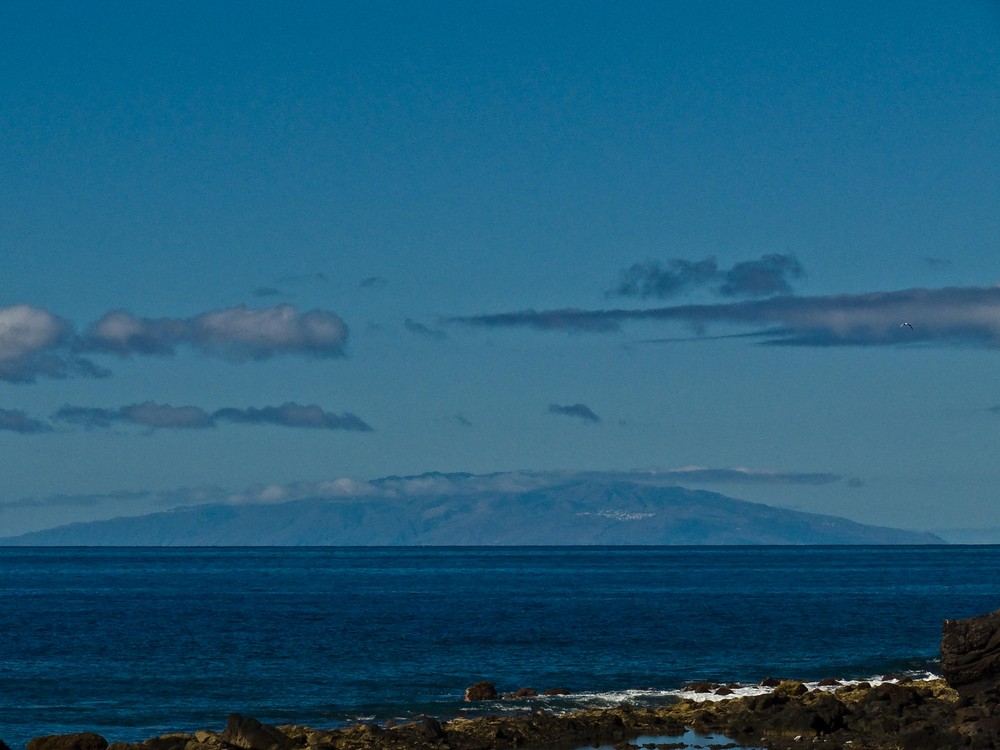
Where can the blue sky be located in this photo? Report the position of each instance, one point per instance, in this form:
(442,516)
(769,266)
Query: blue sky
(249,248)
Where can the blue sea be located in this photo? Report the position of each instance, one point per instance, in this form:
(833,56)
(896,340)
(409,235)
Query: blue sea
(135,642)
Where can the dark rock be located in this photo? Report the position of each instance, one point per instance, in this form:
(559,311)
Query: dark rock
(558,691)
(970,654)
(77,741)
(700,687)
(897,696)
(250,734)
(481,691)
(4,745)
(929,738)
(770,682)
(167,742)
(432,729)
(724,691)
(829,682)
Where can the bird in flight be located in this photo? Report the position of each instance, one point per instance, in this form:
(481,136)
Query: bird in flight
(904,324)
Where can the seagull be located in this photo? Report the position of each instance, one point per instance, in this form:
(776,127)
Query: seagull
(906,325)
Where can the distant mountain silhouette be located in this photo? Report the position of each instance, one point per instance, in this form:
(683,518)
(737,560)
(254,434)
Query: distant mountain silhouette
(580,512)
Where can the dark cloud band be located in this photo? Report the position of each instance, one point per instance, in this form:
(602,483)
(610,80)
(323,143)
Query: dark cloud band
(166,417)
(965,315)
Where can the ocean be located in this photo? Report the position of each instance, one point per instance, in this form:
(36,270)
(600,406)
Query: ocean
(135,642)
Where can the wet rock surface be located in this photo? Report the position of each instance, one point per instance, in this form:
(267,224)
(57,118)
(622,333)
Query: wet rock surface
(921,715)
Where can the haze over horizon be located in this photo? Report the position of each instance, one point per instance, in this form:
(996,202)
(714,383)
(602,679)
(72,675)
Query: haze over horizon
(250,249)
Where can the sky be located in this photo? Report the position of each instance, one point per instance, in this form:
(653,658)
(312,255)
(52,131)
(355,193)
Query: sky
(257,250)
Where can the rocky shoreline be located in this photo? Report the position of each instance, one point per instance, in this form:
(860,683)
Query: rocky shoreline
(962,710)
(897,715)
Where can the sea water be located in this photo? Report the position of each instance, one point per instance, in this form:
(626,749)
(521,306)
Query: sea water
(136,642)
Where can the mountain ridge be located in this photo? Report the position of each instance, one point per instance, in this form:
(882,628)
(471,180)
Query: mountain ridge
(575,512)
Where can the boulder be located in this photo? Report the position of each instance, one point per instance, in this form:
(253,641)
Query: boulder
(249,734)
(481,691)
(4,745)
(77,741)
(970,654)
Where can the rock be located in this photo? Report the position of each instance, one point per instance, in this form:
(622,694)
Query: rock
(770,682)
(168,742)
(77,741)
(791,688)
(558,691)
(481,691)
(970,654)
(700,687)
(432,729)
(250,734)
(4,745)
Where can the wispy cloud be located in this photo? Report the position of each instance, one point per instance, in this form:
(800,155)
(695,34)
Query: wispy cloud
(959,315)
(372,281)
(581,411)
(445,484)
(166,417)
(15,420)
(767,276)
(422,330)
(147,414)
(737,475)
(236,333)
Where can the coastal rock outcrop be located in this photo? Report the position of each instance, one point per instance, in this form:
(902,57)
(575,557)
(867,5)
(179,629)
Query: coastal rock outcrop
(481,691)
(249,734)
(970,655)
(75,741)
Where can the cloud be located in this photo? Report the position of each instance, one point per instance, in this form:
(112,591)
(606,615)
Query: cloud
(581,411)
(958,315)
(166,417)
(458,483)
(239,333)
(737,475)
(571,320)
(767,276)
(147,414)
(121,333)
(421,330)
(650,279)
(14,420)
(372,281)
(236,333)
(761,278)
(266,291)
(294,415)
(29,338)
